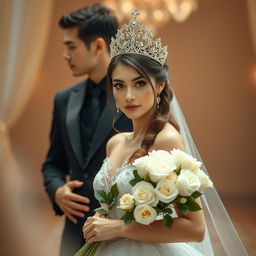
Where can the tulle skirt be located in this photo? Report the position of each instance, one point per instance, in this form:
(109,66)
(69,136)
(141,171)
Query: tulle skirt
(128,247)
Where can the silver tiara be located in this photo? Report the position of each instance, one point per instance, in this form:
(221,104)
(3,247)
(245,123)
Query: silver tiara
(137,39)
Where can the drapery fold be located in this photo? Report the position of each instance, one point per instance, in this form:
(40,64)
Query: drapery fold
(24,29)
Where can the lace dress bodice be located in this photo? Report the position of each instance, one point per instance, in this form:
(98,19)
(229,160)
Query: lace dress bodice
(122,176)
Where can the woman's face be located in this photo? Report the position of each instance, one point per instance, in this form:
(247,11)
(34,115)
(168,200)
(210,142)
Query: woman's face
(133,93)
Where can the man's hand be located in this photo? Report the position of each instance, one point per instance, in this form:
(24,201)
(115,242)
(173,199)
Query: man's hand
(66,200)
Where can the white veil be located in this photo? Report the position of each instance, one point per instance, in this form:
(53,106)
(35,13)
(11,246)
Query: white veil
(220,233)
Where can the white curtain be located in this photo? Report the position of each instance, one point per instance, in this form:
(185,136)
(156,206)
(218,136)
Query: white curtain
(24,29)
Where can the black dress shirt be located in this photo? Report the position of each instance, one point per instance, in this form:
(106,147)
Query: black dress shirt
(93,105)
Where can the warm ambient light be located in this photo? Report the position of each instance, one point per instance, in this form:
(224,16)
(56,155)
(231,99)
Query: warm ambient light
(153,12)
(254,75)
(158,15)
(127,7)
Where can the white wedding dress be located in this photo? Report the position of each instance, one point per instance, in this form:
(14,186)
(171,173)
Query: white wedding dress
(127,247)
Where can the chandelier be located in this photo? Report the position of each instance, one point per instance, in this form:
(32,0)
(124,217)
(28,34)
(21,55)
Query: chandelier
(153,12)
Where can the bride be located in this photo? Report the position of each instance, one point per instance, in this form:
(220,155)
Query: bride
(138,78)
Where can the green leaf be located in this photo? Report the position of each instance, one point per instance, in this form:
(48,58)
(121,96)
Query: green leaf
(101,211)
(101,196)
(133,182)
(196,194)
(178,170)
(112,203)
(158,211)
(168,220)
(136,179)
(162,206)
(110,197)
(167,210)
(183,208)
(128,217)
(114,191)
(136,175)
(193,206)
(128,220)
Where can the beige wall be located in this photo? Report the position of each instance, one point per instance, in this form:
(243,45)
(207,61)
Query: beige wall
(211,59)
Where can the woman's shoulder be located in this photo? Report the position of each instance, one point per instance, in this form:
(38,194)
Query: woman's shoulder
(114,140)
(168,138)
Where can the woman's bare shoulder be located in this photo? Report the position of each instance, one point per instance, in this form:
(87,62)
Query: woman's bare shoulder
(116,139)
(168,138)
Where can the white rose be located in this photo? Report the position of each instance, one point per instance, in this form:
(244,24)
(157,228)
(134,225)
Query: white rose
(166,191)
(187,183)
(160,164)
(144,214)
(144,193)
(172,177)
(141,166)
(185,160)
(204,180)
(126,202)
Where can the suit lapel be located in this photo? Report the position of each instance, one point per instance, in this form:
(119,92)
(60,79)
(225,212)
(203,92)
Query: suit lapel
(104,127)
(73,126)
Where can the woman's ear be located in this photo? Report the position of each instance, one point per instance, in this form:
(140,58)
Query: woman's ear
(160,87)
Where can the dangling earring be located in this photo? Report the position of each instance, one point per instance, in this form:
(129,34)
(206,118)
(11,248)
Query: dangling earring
(158,99)
(117,109)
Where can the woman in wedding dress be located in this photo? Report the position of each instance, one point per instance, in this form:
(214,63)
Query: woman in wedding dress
(137,82)
(138,78)
(142,92)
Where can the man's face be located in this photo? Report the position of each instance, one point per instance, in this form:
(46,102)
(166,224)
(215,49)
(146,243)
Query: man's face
(79,59)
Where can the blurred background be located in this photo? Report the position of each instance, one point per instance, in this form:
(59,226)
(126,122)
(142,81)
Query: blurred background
(212,57)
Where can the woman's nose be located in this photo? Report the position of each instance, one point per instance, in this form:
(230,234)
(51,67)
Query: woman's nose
(129,95)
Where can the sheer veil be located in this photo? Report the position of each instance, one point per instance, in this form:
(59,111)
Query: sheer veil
(220,233)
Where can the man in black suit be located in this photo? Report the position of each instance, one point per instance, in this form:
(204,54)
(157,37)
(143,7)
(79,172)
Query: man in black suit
(82,122)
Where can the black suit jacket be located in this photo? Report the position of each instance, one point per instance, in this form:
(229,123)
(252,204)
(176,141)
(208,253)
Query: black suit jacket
(65,153)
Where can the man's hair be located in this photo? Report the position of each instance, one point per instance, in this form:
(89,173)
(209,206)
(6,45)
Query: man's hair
(92,22)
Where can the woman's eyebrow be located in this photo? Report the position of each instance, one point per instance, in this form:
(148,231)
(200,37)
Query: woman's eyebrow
(134,79)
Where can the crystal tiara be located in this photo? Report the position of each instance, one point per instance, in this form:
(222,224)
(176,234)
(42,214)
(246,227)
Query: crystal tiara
(137,39)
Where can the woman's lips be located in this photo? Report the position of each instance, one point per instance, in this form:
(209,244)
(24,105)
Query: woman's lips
(132,107)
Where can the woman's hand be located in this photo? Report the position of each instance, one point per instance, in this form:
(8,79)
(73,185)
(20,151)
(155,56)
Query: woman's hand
(100,229)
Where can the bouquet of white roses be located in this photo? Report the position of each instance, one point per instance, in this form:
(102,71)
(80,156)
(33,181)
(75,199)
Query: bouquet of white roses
(162,179)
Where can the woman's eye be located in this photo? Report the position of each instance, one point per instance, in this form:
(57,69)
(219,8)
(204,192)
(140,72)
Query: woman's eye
(117,86)
(140,83)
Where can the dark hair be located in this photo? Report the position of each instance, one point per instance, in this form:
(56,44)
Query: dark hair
(147,68)
(93,22)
